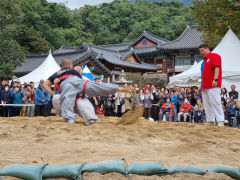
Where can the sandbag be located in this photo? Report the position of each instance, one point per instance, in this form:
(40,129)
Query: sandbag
(189,169)
(24,171)
(70,171)
(117,166)
(149,168)
(233,173)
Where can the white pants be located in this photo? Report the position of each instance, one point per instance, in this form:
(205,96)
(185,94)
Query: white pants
(84,108)
(212,105)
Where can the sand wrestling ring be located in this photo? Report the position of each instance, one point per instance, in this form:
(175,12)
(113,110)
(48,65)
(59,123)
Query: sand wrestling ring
(49,148)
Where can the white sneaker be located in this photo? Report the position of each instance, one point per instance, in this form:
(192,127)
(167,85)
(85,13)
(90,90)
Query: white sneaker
(221,123)
(71,121)
(150,119)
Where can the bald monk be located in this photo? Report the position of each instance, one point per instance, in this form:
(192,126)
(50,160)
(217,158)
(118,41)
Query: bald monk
(83,106)
(72,84)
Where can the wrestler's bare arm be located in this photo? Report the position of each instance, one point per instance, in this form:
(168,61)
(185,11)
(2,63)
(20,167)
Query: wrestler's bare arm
(47,86)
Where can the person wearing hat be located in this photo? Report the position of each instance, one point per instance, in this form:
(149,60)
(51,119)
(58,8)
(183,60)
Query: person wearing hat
(41,101)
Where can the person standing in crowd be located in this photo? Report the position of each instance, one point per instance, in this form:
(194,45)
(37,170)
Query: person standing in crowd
(174,100)
(177,91)
(198,112)
(224,97)
(147,103)
(134,98)
(24,100)
(17,96)
(96,101)
(233,94)
(191,99)
(127,98)
(166,109)
(211,83)
(135,86)
(41,101)
(5,99)
(119,103)
(185,110)
(148,86)
(155,109)
(181,97)
(3,84)
(140,97)
(109,105)
(197,93)
(14,84)
(28,95)
(161,99)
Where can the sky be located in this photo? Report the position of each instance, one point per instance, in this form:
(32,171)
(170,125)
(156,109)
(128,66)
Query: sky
(72,4)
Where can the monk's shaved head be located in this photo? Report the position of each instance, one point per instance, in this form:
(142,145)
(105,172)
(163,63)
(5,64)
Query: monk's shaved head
(66,63)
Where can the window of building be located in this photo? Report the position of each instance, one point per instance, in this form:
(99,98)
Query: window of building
(181,61)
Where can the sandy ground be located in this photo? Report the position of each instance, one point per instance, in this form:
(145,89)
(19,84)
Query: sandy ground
(25,140)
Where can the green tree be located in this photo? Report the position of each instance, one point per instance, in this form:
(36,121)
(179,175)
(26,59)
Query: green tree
(215,17)
(11,52)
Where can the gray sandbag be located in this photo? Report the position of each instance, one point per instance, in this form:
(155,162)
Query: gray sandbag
(233,173)
(24,171)
(149,168)
(189,169)
(117,166)
(70,171)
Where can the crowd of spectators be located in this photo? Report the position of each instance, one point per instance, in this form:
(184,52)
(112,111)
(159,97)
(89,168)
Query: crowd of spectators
(160,104)
(13,97)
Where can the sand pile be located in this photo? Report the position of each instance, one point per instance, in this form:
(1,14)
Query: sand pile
(131,116)
(25,140)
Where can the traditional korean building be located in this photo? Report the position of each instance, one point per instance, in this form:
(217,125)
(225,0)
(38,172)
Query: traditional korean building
(147,54)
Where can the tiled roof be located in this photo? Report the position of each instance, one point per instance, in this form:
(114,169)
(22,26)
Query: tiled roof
(116,47)
(84,52)
(189,39)
(151,37)
(64,49)
(115,57)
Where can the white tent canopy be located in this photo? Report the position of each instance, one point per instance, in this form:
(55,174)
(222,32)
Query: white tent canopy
(229,50)
(44,71)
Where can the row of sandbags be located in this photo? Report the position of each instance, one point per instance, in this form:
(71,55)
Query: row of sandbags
(75,171)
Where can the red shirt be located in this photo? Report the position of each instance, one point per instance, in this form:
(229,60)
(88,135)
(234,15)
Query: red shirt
(211,60)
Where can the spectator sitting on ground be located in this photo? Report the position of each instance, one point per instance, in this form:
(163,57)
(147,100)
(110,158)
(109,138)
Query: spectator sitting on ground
(233,94)
(198,111)
(166,109)
(185,110)
(41,101)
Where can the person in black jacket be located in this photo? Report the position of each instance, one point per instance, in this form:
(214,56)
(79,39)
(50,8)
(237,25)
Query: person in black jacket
(5,99)
(233,94)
